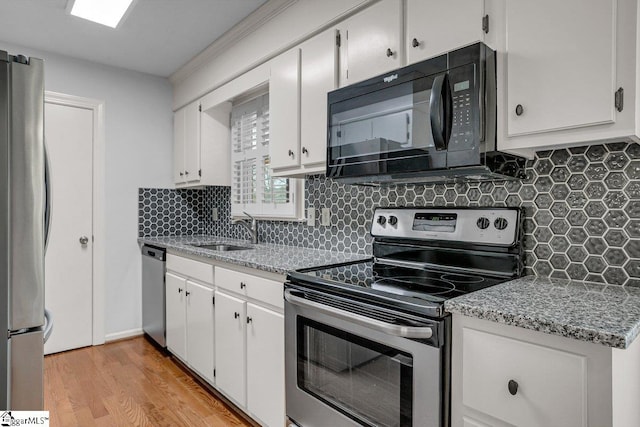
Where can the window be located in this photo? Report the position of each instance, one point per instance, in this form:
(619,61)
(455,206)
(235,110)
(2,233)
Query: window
(253,189)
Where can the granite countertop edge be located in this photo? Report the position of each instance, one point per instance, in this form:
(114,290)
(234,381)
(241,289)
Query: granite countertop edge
(261,256)
(534,316)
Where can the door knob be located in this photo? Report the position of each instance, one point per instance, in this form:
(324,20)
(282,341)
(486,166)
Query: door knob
(83,240)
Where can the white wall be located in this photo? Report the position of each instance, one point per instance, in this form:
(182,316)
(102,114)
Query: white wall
(138,145)
(285,30)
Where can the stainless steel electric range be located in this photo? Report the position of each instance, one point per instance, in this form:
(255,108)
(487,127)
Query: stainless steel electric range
(368,343)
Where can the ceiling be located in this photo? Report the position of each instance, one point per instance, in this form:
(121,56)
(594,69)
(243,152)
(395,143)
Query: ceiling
(157,36)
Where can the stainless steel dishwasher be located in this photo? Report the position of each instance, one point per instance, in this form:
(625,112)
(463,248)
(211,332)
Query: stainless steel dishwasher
(153,293)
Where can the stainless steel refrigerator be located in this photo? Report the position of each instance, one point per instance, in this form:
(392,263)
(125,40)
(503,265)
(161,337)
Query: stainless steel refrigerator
(22,232)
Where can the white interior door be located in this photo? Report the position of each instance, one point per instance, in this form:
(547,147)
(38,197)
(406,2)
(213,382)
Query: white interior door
(68,262)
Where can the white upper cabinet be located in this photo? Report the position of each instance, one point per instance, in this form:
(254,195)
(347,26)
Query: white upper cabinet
(319,77)
(284,110)
(186,148)
(298,87)
(560,65)
(435,27)
(201,147)
(371,42)
(561,62)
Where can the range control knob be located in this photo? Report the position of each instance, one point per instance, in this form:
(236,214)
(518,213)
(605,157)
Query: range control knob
(500,223)
(483,223)
(393,220)
(382,220)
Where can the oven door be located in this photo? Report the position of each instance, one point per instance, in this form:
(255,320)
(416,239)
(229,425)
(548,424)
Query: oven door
(347,369)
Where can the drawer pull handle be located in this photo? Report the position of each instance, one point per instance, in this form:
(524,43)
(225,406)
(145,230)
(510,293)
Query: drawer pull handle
(179,290)
(243,285)
(513,387)
(249,320)
(389,53)
(415,43)
(519,110)
(236,315)
(187,293)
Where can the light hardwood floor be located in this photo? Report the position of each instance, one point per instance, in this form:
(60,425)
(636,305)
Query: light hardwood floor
(128,383)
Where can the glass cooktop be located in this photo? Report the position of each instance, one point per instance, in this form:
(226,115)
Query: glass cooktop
(430,285)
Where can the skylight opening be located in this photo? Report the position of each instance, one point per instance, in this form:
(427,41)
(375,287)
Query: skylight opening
(104,12)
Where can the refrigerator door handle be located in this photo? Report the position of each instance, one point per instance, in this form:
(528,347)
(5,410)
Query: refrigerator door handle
(47,198)
(48,324)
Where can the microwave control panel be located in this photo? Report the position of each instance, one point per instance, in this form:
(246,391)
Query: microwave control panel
(462,129)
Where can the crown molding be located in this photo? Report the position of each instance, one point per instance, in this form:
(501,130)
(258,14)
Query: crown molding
(248,25)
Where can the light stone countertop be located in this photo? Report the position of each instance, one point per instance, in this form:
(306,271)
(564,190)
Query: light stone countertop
(592,312)
(263,256)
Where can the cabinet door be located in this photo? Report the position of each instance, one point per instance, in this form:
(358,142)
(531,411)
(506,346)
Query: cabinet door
(179,118)
(522,383)
(192,142)
(230,321)
(200,329)
(318,77)
(175,309)
(284,110)
(265,365)
(368,38)
(560,64)
(435,27)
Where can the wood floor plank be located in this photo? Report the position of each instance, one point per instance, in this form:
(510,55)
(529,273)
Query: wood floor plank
(128,383)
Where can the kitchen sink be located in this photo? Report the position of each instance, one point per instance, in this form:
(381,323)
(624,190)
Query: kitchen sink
(223,247)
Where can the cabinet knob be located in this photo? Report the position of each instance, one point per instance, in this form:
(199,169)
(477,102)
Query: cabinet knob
(187,293)
(415,42)
(513,387)
(181,174)
(389,53)
(180,290)
(186,172)
(243,285)
(236,315)
(290,153)
(519,110)
(304,150)
(249,320)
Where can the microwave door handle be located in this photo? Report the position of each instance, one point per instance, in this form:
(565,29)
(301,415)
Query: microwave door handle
(416,332)
(440,99)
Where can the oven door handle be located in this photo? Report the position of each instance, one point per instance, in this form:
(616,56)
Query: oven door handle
(417,332)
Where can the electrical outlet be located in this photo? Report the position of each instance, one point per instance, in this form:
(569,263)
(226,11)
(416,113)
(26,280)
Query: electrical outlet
(214,214)
(311,217)
(325,219)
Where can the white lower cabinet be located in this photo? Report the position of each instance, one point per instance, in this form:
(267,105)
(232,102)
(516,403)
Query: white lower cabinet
(507,376)
(189,319)
(250,344)
(231,334)
(265,364)
(175,316)
(230,347)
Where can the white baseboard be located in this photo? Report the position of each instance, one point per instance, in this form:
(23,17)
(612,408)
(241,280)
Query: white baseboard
(123,334)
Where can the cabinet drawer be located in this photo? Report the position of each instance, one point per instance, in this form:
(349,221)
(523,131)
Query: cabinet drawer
(261,289)
(190,268)
(551,384)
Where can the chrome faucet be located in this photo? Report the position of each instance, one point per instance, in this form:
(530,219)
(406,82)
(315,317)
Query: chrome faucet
(251,224)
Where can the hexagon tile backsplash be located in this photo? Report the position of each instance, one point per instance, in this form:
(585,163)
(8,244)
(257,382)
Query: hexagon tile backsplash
(582,208)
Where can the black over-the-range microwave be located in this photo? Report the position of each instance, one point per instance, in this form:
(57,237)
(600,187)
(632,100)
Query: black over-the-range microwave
(430,121)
